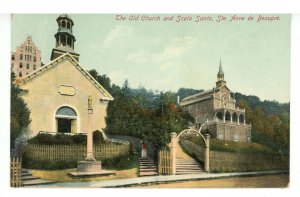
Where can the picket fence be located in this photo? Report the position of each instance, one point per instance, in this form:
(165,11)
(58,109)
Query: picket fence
(73,152)
(165,162)
(15,172)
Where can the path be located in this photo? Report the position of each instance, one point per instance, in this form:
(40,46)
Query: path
(159,179)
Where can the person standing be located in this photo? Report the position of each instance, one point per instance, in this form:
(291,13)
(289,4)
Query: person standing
(144,150)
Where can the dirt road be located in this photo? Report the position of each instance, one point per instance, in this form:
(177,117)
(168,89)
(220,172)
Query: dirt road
(269,181)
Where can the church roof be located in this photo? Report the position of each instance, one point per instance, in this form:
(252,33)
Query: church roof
(76,64)
(198,95)
(201,96)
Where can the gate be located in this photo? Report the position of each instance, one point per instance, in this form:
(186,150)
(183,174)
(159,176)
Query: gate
(165,162)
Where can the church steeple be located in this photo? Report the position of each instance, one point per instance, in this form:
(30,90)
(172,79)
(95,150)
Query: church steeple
(64,37)
(221,82)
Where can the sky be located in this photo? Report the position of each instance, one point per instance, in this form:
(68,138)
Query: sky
(167,55)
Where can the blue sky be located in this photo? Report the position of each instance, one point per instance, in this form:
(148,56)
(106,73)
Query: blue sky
(162,55)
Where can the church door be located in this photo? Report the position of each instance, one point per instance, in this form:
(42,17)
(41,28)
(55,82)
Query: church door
(66,120)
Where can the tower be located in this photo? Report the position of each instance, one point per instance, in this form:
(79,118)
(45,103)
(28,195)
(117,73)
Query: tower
(64,38)
(221,82)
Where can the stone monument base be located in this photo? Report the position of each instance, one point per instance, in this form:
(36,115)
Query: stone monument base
(90,168)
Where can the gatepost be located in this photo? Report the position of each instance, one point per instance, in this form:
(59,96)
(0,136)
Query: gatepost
(173,152)
(206,153)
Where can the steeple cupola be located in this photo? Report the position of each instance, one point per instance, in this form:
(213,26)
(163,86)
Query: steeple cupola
(64,37)
(221,82)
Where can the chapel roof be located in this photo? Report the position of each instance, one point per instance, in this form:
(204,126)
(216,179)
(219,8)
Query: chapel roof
(76,64)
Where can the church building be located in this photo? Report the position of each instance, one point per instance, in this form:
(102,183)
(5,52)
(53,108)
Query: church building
(217,106)
(57,93)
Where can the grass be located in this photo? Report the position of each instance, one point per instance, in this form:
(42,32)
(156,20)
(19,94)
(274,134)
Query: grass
(63,175)
(231,146)
(124,167)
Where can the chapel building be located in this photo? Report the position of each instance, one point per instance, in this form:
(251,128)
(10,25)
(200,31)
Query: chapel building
(217,106)
(57,93)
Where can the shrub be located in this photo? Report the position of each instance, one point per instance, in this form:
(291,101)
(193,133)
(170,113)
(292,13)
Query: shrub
(121,162)
(64,139)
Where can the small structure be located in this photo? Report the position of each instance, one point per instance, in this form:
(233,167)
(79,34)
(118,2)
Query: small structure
(90,167)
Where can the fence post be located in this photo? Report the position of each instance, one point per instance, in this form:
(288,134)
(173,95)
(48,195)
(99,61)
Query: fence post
(173,152)
(206,153)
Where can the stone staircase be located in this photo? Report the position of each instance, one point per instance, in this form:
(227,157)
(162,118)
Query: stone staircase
(29,180)
(188,166)
(147,167)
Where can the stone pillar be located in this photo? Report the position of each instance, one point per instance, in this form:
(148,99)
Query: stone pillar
(206,153)
(89,153)
(224,117)
(173,151)
(231,118)
(244,121)
(238,120)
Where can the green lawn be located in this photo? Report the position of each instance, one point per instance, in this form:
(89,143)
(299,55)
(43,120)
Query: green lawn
(231,146)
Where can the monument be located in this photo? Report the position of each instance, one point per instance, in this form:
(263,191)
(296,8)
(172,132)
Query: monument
(90,167)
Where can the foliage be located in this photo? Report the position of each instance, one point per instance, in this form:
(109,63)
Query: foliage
(153,115)
(184,92)
(52,165)
(19,114)
(64,139)
(149,115)
(120,162)
(270,121)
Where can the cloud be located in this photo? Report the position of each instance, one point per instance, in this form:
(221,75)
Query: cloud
(173,53)
(117,77)
(168,57)
(119,32)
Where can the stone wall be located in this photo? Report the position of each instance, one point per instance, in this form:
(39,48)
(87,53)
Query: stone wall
(231,132)
(236,162)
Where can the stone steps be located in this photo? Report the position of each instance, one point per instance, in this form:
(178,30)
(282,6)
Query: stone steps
(36,182)
(189,166)
(147,167)
(29,180)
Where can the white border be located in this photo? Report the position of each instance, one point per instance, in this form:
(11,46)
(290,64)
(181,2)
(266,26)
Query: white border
(149,6)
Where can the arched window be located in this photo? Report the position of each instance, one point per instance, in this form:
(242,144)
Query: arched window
(20,73)
(34,67)
(227,116)
(34,59)
(68,25)
(219,115)
(63,24)
(13,57)
(234,117)
(21,56)
(20,65)
(66,112)
(241,118)
(27,66)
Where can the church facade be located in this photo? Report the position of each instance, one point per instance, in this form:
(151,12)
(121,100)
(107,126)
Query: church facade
(57,94)
(217,106)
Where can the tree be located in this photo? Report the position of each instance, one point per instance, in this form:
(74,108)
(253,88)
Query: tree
(19,114)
